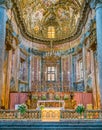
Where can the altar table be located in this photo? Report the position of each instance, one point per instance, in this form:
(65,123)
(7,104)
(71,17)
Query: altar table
(50,114)
(51,103)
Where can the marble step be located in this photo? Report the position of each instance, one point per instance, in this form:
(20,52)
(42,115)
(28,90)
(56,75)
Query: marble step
(63,125)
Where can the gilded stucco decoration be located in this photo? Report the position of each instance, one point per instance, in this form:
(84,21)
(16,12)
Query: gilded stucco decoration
(38,15)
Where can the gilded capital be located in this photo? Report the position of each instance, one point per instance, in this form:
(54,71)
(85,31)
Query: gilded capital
(94,3)
(6,3)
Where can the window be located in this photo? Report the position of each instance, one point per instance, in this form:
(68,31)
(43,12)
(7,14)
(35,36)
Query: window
(51,73)
(51,32)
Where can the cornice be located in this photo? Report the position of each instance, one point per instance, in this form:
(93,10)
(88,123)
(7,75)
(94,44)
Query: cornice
(82,21)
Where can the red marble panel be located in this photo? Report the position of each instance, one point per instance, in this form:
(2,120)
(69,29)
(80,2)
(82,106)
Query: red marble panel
(83,98)
(14,99)
(17,98)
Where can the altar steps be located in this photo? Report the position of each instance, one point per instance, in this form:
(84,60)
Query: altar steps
(63,125)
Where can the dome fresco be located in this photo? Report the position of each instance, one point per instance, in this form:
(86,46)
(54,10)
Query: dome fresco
(38,15)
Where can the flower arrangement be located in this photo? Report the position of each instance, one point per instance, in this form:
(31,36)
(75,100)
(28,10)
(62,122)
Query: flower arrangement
(80,109)
(34,97)
(43,97)
(57,97)
(66,97)
(22,108)
(42,107)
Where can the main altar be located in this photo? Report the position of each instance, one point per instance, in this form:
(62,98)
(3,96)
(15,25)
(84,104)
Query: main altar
(51,99)
(51,103)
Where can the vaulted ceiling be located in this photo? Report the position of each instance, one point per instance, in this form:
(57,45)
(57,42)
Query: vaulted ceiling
(65,17)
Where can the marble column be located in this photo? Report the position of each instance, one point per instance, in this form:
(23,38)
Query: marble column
(97,5)
(84,65)
(16,68)
(42,73)
(2,44)
(29,72)
(95,98)
(72,72)
(61,71)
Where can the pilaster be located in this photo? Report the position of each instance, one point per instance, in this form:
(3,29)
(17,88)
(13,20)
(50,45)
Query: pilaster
(8,79)
(4,5)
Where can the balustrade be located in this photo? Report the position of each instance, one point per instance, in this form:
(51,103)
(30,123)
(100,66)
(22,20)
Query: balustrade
(12,114)
(88,114)
(64,115)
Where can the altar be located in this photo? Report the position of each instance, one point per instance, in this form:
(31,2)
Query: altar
(50,114)
(51,104)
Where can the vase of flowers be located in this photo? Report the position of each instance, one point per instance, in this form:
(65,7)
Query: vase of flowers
(22,110)
(43,97)
(66,97)
(34,97)
(42,107)
(57,97)
(80,110)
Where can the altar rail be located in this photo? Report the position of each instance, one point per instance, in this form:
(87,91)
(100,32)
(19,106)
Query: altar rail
(88,114)
(64,115)
(12,114)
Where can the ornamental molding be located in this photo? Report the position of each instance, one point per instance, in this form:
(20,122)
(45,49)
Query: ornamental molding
(78,32)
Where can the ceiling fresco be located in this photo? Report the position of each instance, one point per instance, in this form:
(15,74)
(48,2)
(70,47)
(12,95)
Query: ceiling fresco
(37,16)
